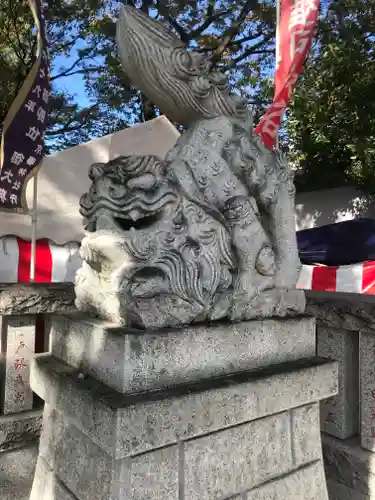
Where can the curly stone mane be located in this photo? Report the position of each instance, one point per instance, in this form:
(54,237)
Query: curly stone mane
(126,167)
(127,187)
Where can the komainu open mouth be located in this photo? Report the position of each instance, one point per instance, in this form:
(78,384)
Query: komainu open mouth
(124,224)
(144,222)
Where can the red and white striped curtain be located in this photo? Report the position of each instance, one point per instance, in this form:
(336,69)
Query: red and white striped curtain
(54,263)
(58,263)
(357,278)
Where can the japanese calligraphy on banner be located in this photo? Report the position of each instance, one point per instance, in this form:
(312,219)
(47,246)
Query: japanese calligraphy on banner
(298,19)
(22,141)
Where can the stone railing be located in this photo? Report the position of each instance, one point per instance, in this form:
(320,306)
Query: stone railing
(24,311)
(346,333)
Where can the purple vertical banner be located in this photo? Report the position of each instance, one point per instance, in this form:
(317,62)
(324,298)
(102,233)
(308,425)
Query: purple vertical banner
(22,141)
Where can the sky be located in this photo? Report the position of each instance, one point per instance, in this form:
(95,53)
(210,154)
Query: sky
(73,84)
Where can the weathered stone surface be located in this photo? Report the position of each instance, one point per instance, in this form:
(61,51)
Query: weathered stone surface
(307,483)
(341,411)
(237,459)
(346,311)
(338,491)
(47,486)
(306,434)
(155,475)
(127,425)
(132,360)
(19,338)
(78,462)
(348,464)
(367,385)
(36,298)
(16,473)
(182,241)
(91,474)
(20,430)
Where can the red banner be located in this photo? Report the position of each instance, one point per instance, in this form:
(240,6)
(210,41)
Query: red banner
(298,19)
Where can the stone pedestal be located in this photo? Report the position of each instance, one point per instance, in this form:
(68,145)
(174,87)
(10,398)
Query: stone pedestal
(206,412)
(342,411)
(350,469)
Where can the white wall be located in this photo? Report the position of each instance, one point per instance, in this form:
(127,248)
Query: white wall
(319,208)
(64,178)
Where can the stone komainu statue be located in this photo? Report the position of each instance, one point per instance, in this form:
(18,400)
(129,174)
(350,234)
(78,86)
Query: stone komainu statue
(209,232)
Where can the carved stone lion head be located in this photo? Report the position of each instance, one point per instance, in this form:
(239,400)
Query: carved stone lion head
(150,248)
(131,190)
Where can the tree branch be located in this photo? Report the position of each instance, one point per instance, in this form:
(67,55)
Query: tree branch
(207,23)
(209,20)
(252,50)
(18,50)
(245,39)
(85,114)
(259,102)
(77,72)
(232,32)
(65,45)
(164,11)
(14,21)
(264,51)
(68,71)
(65,130)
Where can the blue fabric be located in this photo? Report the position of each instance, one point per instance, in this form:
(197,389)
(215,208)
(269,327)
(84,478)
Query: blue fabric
(338,244)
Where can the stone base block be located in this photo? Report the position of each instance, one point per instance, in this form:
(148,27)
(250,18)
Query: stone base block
(16,473)
(341,413)
(257,455)
(338,491)
(47,485)
(349,468)
(307,483)
(20,429)
(137,360)
(235,435)
(129,424)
